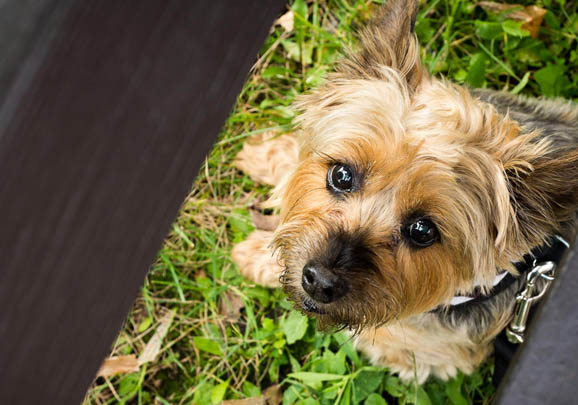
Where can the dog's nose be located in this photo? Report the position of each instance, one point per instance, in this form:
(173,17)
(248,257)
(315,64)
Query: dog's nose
(321,284)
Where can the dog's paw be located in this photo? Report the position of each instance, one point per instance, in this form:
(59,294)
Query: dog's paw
(401,362)
(448,371)
(268,159)
(409,374)
(256,261)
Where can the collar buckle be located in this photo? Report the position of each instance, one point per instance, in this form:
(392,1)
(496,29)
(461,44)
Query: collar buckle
(531,293)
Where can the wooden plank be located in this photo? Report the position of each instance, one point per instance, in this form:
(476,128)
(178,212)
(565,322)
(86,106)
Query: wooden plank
(545,369)
(107,112)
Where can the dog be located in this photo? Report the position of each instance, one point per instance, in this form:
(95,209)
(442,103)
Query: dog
(402,191)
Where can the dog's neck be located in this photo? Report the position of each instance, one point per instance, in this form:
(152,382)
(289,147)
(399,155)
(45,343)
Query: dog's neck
(552,250)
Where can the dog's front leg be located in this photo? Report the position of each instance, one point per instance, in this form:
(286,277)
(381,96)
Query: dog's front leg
(268,160)
(256,260)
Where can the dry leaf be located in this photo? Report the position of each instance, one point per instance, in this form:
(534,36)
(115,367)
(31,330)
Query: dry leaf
(230,306)
(536,17)
(130,364)
(271,396)
(264,222)
(246,401)
(153,346)
(286,21)
(531,15)
(118,365)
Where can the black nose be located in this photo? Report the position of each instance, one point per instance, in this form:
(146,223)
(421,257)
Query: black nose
(321,284)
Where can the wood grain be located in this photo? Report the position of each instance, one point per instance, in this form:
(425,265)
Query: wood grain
(545,368)
(108,109)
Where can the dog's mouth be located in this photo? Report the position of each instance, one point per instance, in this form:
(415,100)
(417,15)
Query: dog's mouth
(311,306)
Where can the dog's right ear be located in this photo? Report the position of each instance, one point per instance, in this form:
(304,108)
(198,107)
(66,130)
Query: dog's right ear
(544,194)
(388,41)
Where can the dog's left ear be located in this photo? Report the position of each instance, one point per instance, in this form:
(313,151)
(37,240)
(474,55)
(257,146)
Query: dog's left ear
(388,41)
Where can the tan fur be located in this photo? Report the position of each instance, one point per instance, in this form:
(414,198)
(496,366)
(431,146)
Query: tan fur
(495,187)
(267,159)
(256,261)
(433,348)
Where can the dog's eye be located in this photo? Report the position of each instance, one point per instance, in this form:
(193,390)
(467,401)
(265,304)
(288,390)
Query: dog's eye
(340,178)
(422,232)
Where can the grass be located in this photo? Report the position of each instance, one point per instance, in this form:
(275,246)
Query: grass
(229,339)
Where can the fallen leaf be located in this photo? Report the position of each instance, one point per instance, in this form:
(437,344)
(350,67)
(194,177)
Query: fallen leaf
(537,16)
(153,346)
(230,306)
(271,396)
(118,365)
(264,222)
(245,401)
(531,15)
(286,21)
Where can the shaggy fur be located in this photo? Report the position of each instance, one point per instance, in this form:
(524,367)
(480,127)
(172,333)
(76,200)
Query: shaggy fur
(495,173)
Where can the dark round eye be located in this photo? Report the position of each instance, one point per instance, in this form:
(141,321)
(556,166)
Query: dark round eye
(340,178)
(422,232)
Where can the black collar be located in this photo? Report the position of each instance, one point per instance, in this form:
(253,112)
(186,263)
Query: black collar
(552,250)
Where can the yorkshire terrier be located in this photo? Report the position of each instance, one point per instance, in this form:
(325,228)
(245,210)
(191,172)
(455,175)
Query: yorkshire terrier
(402,191)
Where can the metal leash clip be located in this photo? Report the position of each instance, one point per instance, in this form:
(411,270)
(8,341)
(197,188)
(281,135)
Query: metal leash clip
(529,295)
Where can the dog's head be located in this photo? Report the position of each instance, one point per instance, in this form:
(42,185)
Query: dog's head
(409,189)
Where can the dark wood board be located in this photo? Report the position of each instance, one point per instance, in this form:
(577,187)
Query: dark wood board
(107,109)
(545,368)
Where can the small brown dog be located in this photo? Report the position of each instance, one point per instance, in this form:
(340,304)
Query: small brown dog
(403,191)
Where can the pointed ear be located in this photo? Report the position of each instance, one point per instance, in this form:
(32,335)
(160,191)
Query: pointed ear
(388,40)
(543,194)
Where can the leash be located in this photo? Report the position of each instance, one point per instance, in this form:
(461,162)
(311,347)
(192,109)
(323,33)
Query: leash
(541,264)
